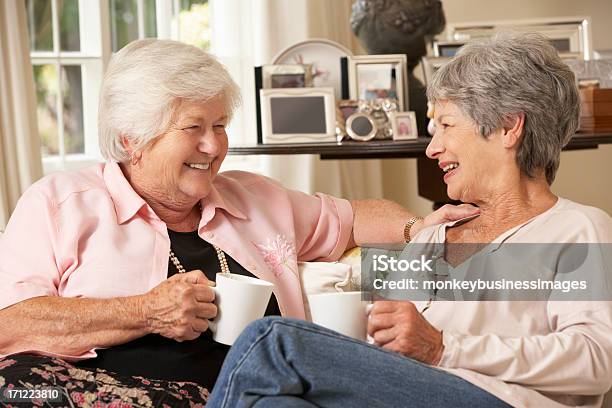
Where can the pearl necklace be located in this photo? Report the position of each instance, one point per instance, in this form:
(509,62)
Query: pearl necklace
(220,256)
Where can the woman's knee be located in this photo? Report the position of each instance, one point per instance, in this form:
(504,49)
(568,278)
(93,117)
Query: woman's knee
(275,322)
(271,327)
(263,324)
(259,328)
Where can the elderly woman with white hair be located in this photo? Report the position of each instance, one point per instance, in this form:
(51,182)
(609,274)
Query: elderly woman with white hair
(504,109)
(110,267)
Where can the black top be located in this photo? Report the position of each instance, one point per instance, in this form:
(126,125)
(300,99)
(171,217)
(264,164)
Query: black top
(156,357)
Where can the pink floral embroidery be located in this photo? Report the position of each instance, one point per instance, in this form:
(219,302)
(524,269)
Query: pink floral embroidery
(279,254)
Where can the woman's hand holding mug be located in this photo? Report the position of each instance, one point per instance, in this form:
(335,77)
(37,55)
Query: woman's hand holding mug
(180,307)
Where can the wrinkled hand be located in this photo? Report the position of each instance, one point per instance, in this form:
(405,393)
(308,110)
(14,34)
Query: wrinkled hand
(445,213)
(399,327)
(179,307)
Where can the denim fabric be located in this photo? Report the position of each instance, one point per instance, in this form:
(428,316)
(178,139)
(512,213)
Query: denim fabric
(279,362)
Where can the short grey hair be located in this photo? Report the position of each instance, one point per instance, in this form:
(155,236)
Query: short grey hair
(509,74)
(143,84)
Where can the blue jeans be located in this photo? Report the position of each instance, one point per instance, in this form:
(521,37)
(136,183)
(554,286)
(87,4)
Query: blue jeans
(280,362)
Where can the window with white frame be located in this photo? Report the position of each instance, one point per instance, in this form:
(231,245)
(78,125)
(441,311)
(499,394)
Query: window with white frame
(183,20)
(67,65)
(70,44)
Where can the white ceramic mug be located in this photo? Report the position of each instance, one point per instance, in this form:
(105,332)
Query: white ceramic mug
(343,312)
(240,300)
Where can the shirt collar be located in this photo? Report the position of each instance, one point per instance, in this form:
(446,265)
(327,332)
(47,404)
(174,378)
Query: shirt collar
(215,200)
(127,202)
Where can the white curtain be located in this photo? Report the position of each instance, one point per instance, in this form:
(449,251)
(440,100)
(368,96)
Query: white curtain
(20,160)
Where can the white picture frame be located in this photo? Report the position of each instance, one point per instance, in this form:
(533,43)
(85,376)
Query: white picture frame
(404,125)
(373,71)
(298,115)
(573,32)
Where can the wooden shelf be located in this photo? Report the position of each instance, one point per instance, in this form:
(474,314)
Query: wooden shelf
(387,149)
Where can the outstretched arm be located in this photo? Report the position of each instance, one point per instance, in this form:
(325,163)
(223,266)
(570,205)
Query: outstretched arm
(383,221)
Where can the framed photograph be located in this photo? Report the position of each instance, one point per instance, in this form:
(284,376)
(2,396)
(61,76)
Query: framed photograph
(431,65)
(287,76)
(360,126)
(378,76)
(404,126)
(298,115)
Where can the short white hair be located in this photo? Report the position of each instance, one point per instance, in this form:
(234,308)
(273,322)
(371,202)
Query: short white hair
(143,84)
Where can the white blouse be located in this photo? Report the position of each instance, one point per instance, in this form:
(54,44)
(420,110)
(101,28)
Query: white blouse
(532,353)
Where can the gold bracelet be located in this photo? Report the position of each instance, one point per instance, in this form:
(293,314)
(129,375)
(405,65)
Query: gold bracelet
(408,226)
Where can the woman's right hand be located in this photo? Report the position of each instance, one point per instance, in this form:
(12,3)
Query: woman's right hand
(179,307)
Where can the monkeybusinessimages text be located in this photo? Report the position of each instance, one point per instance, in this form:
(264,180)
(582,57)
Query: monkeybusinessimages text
(424,267)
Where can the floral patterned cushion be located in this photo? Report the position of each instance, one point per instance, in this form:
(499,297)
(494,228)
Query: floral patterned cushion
(99,388)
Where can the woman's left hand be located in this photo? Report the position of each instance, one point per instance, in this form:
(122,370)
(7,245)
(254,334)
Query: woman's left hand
(445,213)
(399,327)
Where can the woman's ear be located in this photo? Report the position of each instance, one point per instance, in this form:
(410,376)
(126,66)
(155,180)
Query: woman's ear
(513,130)
(127,145)
(134,155)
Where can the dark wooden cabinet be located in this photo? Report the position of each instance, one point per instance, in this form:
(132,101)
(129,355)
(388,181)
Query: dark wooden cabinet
(431,185)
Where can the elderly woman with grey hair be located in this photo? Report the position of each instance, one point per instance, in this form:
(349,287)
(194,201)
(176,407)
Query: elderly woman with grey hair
(504,109)
(110,267)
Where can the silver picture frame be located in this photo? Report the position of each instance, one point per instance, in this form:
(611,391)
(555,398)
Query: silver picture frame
(372,77)
(357,127)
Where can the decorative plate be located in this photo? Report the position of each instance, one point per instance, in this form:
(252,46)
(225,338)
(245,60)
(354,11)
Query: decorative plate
(324,55)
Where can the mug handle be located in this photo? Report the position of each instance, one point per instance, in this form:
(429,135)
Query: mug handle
(212,323)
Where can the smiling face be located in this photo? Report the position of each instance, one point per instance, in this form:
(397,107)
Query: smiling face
(178,167)
(474,166)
